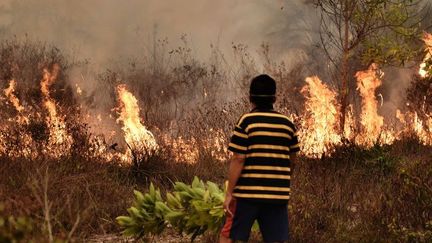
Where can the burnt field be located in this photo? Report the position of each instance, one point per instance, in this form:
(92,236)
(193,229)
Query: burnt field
(71,156)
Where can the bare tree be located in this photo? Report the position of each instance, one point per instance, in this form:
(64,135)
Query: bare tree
(382,31)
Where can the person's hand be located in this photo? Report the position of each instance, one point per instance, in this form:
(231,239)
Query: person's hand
(227,203)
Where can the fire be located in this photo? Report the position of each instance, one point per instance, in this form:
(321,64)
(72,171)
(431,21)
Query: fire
(371,122)
(349,126)
(59,140)
(428,42)
(422,128)
(216,145)
(136,134)
(319,127)
(10,94)
(182,150)
(78,89)
(319,133)
(192,149)
(427,140)
(22,144)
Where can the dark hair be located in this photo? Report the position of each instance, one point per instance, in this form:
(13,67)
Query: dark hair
(263,91)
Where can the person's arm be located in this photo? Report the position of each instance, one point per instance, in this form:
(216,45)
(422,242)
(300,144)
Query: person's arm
(293,159)
(239,146)
(235,167)
(294,146)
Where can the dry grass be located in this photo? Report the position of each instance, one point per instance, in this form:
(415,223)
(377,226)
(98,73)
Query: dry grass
(376,195)
(363,195)
(357,195)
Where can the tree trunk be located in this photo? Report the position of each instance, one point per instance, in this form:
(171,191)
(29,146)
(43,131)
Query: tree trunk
(344,75)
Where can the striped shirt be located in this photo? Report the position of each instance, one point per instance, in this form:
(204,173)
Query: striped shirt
(267,138)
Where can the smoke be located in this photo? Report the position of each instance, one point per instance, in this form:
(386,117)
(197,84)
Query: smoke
(107,30)
(395,84)
(111,31)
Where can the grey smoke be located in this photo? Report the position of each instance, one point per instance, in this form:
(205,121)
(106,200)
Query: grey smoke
(106,30)
(111,31)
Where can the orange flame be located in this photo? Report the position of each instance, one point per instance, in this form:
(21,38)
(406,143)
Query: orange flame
(59,140)
(427,38)
(413,124)
(216,145)
(423,129)
(24,140)
(78,89)
(10,94)
(371,121)
(319,133)
(349,126)
(182,150)
(136,134)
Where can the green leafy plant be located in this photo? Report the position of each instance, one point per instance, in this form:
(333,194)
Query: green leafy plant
(196,208)
(146,216)
(192,209)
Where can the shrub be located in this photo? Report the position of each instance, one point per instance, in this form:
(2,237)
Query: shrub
(191,209)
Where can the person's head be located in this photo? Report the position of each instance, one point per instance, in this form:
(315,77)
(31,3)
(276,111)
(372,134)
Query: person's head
(262,91)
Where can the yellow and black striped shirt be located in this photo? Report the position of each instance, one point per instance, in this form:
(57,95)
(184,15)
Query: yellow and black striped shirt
(267,138)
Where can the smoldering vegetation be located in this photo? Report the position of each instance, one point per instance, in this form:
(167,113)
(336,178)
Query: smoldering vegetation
(76,193)
(379,193)
(67,172)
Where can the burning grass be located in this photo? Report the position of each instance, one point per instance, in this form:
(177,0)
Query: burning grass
(360,183)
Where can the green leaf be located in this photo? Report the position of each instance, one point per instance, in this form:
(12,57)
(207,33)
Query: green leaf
(124,220)
(152,191)
(139,196)
(192,209)
(134,211)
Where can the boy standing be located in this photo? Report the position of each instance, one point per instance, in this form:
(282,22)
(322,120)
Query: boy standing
(264,144)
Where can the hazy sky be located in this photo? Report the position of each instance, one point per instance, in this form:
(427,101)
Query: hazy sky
(106,29)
